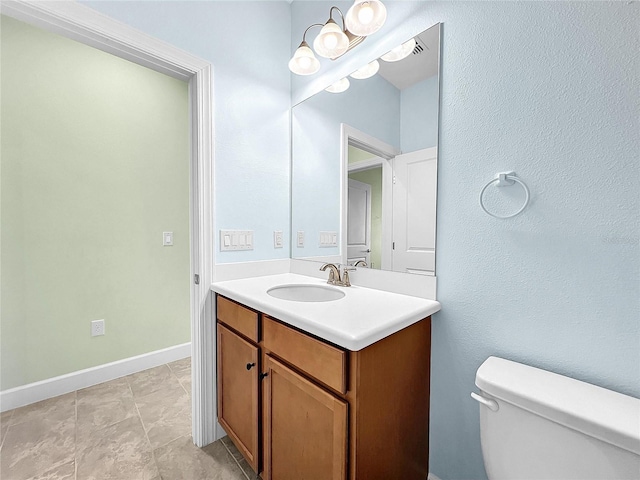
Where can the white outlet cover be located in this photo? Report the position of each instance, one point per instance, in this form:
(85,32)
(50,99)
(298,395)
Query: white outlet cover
(97,328)
(277,239)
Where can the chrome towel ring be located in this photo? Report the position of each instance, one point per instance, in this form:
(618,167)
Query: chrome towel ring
(505,179)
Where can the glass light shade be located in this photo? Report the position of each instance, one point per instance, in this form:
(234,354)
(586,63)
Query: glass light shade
(304,62)
(369,70)
(331,42)
(365,17)
(400,52)
(339,87)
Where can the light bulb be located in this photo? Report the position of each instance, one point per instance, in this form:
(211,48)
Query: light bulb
(400,52)
(304,62)
(365,17)
(331,42)
(339,87)
(369,70)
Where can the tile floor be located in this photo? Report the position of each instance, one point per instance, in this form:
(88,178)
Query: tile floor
(134,428)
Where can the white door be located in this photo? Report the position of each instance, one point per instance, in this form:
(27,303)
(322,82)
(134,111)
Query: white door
(414,212)
(358,222)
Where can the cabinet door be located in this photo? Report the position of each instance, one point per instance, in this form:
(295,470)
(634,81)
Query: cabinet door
(238,392)
(305,428)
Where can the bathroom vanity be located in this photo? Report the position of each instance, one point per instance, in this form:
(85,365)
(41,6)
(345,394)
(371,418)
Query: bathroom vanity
(324,390)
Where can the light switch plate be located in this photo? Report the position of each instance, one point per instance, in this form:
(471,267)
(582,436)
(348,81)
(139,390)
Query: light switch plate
(328,239)
(167,239)
(300,239)
(235,240)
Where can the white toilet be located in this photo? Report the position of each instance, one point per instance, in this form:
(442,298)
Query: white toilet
(538,425)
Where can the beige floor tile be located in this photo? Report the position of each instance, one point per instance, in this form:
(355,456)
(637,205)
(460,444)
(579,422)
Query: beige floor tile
(182,370)
(103,405)
(181,367)
(117,452)
(5,417)
(166,415)
(58,409)
(152,380)
(62,472)
(182,460)
(36,446)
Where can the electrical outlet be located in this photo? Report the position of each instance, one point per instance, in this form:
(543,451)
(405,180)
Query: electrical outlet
(277,239)
(97,328)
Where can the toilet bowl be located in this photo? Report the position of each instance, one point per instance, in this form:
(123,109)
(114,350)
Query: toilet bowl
(538,425)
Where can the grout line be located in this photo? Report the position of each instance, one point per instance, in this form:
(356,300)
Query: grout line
(235,460)
(144,428)
(174,374)
(8,427)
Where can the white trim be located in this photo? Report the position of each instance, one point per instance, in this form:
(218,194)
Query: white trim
(70,382)
(431,476)
(90,27)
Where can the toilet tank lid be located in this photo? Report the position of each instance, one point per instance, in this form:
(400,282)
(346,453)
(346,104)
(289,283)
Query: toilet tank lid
(604,414)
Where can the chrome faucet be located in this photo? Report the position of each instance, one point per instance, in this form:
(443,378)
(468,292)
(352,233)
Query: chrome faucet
(360,263)
(334,275)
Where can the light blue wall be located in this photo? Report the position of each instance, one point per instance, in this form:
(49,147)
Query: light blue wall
(316,172)
(248,46)
(550,90)
(419,115)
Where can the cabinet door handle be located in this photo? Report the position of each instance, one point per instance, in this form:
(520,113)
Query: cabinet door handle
(250,365)
(263,375)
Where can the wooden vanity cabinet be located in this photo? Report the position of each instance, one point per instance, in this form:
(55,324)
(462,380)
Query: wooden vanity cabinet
(238,392)
(305,427)
(322,412)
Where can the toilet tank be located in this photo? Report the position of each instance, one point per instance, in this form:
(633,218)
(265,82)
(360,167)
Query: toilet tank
(551,427)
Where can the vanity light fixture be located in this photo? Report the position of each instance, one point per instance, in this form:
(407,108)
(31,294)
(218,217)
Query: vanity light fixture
(340,86)
(368,71)
(400,52)
(333,41)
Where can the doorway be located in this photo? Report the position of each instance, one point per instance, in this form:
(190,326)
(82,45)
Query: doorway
(83,24)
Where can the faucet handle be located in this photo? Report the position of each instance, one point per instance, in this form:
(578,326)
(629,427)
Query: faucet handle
(345,276)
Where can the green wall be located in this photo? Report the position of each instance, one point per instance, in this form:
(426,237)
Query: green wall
(94,167)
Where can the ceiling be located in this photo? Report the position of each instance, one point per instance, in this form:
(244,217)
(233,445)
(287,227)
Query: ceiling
(421,64)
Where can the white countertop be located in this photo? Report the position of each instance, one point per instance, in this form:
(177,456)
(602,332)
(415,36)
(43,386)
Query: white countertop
(362,317)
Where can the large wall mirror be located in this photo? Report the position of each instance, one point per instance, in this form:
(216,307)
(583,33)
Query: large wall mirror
(364,166)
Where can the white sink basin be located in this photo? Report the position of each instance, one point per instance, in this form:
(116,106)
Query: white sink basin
(306,293)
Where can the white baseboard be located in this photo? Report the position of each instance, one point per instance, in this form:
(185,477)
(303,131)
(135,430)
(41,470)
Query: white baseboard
(52,387)
(432,477)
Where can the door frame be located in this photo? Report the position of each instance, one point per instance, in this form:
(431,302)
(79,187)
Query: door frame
(352,136)
(88,26)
